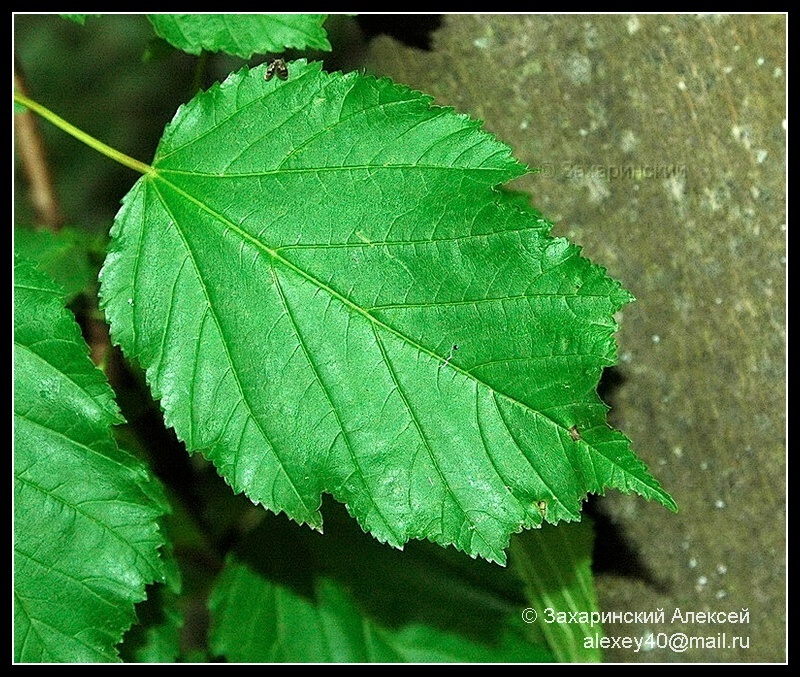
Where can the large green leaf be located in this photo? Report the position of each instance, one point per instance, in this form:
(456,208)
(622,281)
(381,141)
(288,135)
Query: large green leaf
(329,295)
(437,602)
(284,626)
(241,34)
(85,533)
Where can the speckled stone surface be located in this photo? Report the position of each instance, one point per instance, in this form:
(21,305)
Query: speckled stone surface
(662,145)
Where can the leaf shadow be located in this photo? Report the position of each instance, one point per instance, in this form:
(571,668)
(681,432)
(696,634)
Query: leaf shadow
(423,584)
(614,554)
(414,30)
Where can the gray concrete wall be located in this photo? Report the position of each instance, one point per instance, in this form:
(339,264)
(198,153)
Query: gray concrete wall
(662,140)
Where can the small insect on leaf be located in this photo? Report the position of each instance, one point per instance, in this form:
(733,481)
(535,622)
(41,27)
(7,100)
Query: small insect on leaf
(574,434)
(276,67)
(542,505)
(449,357)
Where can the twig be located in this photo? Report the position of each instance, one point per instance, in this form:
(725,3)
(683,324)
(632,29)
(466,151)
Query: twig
(30,148)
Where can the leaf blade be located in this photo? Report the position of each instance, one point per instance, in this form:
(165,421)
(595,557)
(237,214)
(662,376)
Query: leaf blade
(555,565)
(286,626)
(86,537)
(328,319)
(242,35)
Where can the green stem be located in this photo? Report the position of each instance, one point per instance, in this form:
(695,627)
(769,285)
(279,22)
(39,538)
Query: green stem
(90,141)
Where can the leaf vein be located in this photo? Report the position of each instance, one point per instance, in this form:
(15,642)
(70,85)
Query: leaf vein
(553,493)
(426,442)
(134,547)
(251,414)
(333,408)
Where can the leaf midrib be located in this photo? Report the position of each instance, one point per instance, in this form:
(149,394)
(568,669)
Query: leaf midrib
(375,322)
(76,506)
(275,255)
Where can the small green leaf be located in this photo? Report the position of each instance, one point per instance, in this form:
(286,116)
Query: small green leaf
(156,637)
(67,256)
(328,294)
(556,566)
(241,34)
(85,533)
(78,18)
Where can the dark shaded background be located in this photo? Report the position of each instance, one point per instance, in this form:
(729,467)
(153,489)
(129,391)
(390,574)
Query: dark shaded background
(663,149)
